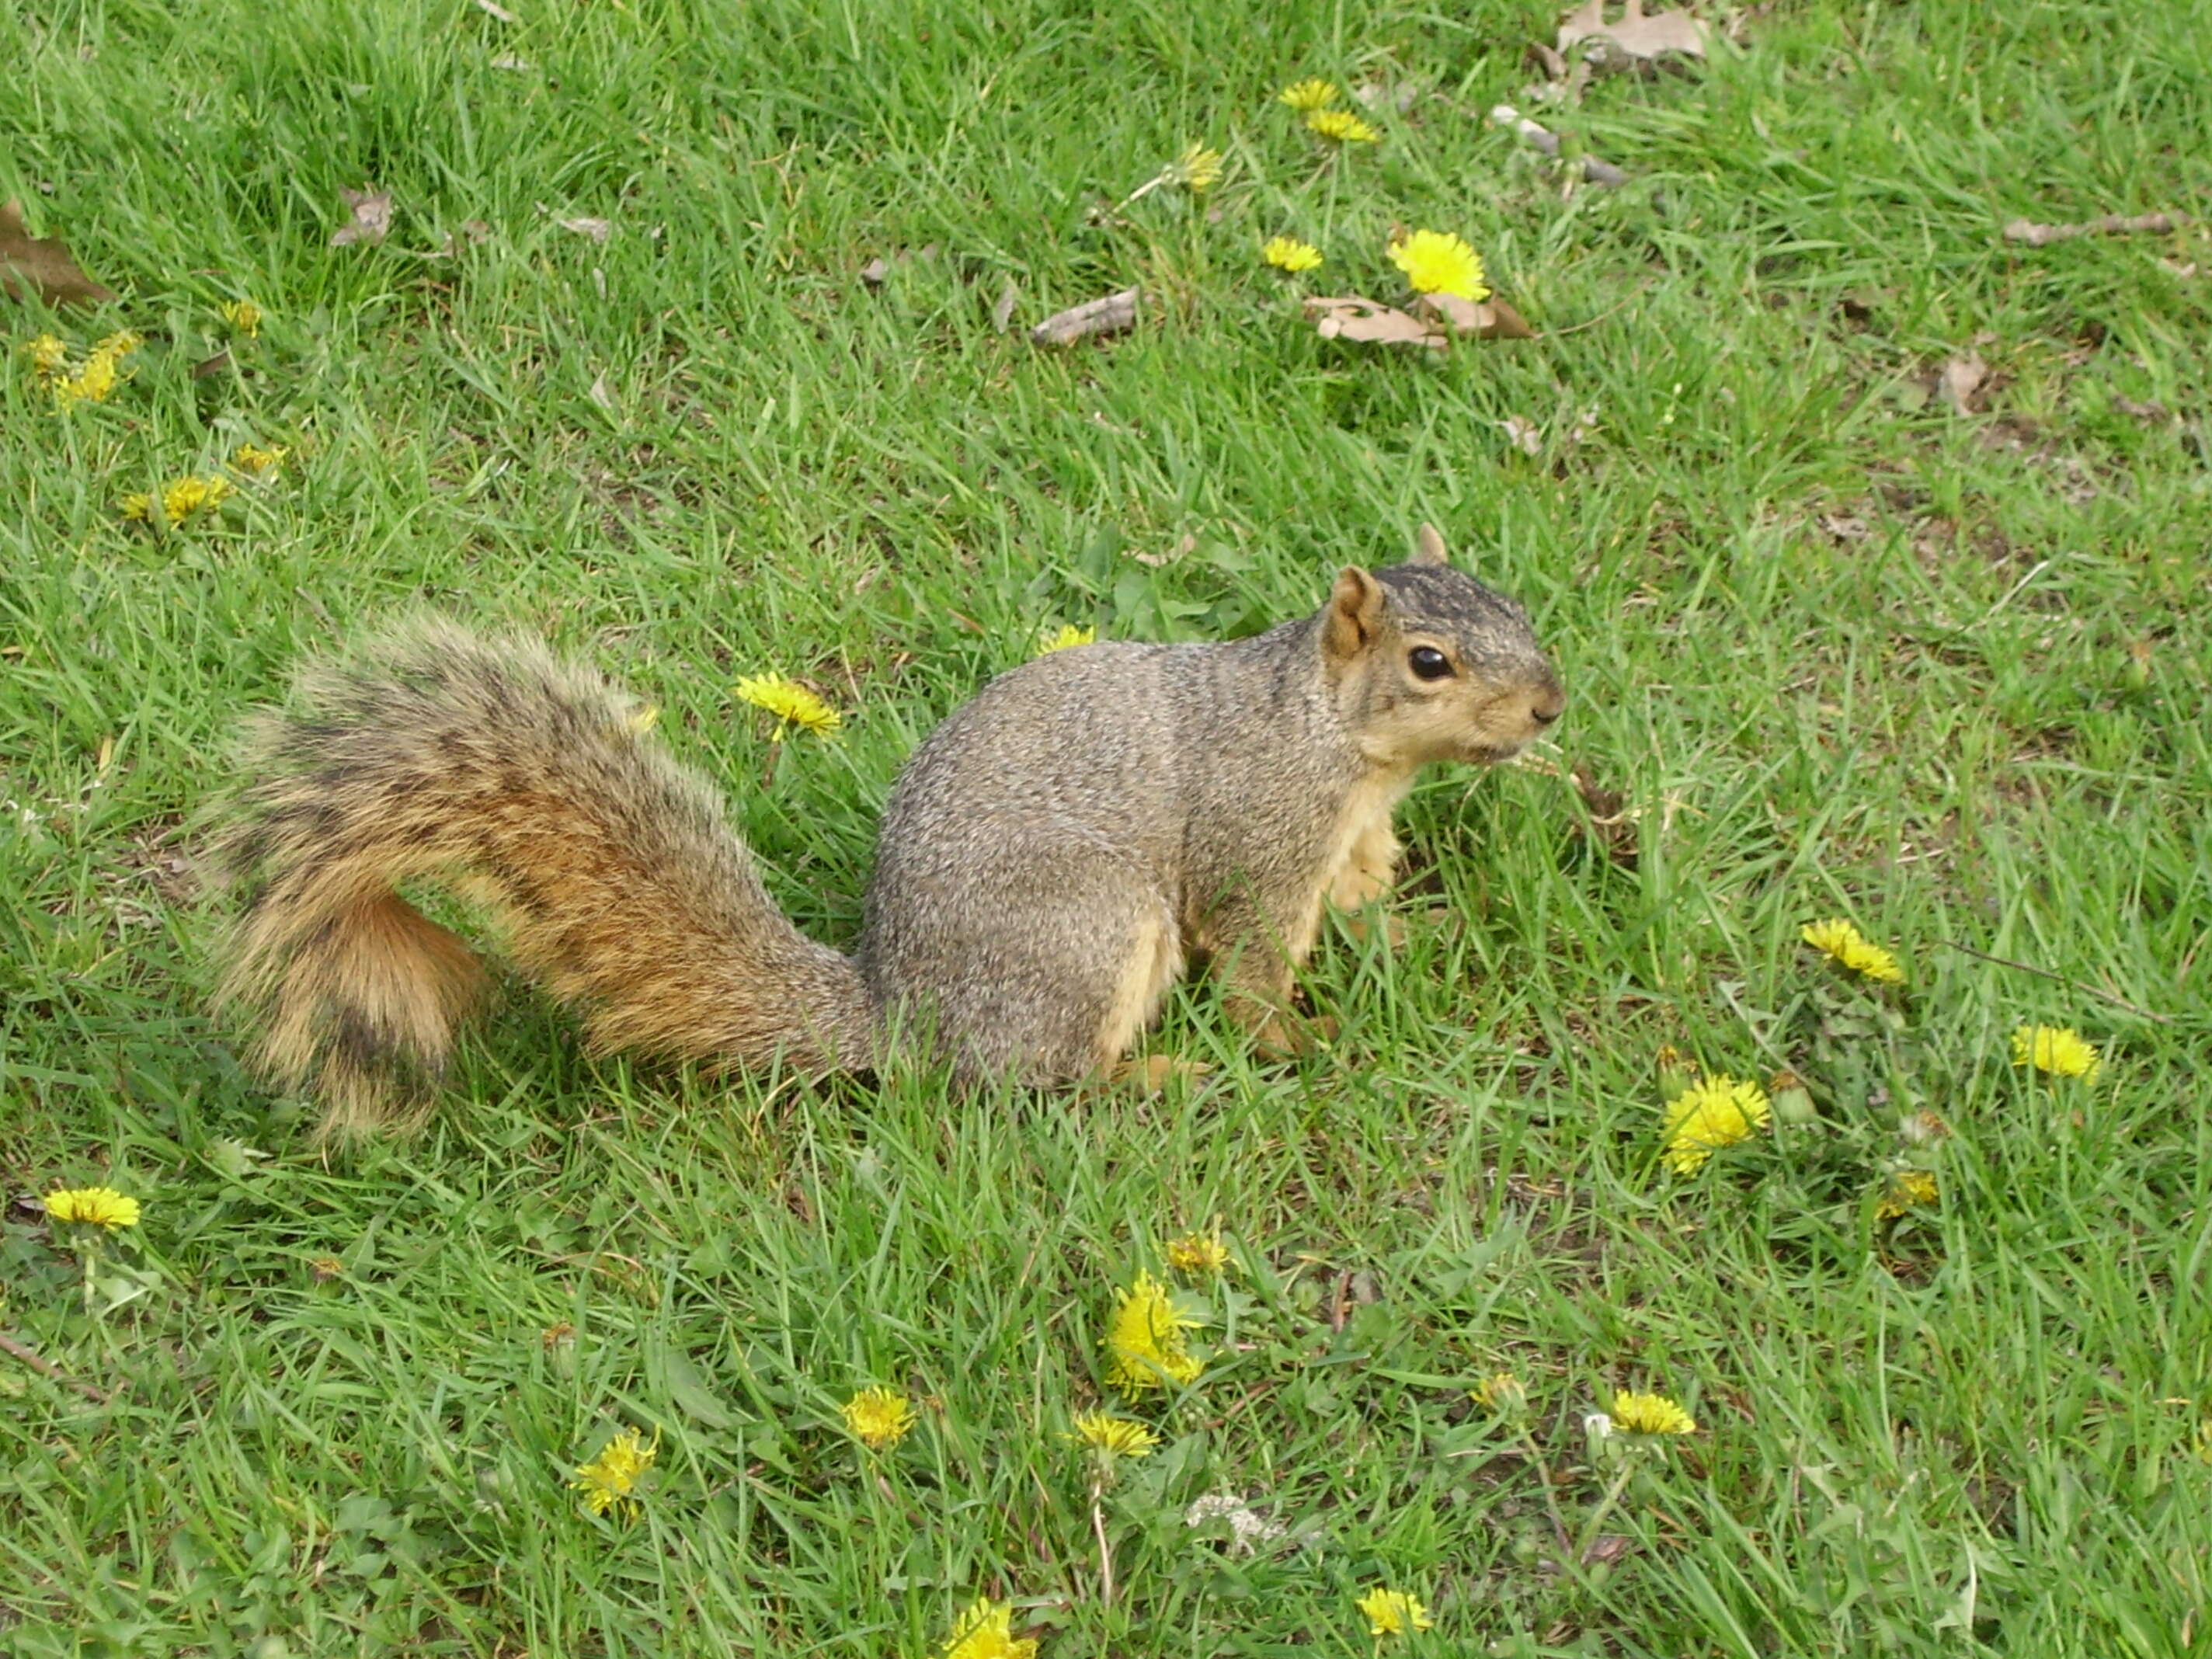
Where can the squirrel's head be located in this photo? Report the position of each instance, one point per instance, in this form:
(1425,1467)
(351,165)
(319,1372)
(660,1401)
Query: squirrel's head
(1429,664)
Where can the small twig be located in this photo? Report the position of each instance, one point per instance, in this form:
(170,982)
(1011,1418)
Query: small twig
(1601,173)
(1577,328)
(2106,224)
(2113,997)
(46,1367)
(1111,315)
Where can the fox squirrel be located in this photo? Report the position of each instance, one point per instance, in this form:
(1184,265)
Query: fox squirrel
(1051,859)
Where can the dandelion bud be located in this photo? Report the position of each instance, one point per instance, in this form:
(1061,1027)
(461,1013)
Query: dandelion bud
(1791,1100)
(1503,1394)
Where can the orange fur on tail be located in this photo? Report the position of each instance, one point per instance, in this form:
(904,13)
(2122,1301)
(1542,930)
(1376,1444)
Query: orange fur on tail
(526,783)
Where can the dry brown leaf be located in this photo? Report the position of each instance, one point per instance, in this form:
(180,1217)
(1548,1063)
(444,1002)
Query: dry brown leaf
(2109,224)
(1487,320)
(1637,37)
(1110,315)
(1348,317)
(208,367)
(370,220)
(1181,549)
(877,271)
(597,229)
(1612,826)
(42,265)
(1962,377)
(1002,314)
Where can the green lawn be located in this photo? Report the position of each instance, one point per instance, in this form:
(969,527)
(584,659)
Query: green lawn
(1841,649)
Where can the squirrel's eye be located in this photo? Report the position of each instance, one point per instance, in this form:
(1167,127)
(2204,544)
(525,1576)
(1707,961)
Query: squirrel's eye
(1428,663)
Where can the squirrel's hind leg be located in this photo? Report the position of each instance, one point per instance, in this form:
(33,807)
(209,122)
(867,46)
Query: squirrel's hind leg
(1047,985)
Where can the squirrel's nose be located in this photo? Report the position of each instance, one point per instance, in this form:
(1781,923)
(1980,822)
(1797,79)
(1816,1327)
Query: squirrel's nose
(1547,704)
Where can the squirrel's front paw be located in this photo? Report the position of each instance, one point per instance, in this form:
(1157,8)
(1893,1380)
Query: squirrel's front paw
(1155,1072)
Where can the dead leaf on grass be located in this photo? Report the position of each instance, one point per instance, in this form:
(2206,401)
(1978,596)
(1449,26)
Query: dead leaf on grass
(1348,317)
(1111,315)
(1635,38)
(600,392)
(370,219)
(1181,549)
(1612,826)
(475,230)
(2109,224)
(42,265)
(1523,434)
(492,9)
(597,229)
(1961,378)
(1002,314)
(877,271)
(1487,319)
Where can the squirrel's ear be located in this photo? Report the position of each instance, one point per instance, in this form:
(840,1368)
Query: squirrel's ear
(1430,550)
(1354,615)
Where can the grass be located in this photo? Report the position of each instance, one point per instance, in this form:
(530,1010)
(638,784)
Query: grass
(1840,649)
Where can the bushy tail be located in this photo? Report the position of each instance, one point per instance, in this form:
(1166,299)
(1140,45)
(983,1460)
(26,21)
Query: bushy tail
(434,753)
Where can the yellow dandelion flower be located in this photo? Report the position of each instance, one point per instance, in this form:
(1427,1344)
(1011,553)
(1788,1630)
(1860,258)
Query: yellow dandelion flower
(1308,95)
(102,374)
(48,356)
(243,315)
(1650,1413)
(2058,1049)
(1437,262)
(136,505)
(1503,1393)
(182,497)
(1199,168)
(1837,939)
(1116,1437)
(1908,1189)
(985,1631)
(1198,1253)
(1144,1347)
(1392,1613)
(1341,126)
(609,1480)
(1069,635)
(1288,253)
(326,1268)
(90,385)
(877,1416)
(1712,1113)
(253,457)
(93,1207)
(792,703)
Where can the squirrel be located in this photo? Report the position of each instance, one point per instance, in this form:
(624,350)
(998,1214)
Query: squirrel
(1052,858)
